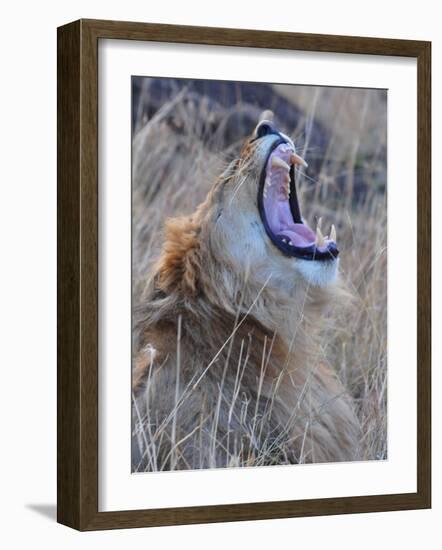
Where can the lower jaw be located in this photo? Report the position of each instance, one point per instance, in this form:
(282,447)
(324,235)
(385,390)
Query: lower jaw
(310,253)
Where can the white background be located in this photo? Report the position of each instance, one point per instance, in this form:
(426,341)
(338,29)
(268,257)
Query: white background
(27,300)
(118,489)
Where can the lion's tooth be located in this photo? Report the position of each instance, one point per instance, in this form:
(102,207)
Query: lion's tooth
(296,159)
(290,243)
(333,233)
(319,237)
(279,163)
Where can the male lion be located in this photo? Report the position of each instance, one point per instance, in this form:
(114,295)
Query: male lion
(227,370)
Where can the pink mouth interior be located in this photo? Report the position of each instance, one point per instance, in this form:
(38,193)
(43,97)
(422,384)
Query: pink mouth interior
(277,207)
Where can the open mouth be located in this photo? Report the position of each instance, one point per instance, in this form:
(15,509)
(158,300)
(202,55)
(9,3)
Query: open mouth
(280,213)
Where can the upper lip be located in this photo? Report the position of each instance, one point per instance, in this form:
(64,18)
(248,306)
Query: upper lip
(319,249)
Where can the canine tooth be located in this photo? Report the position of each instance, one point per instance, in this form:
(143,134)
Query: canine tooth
(290,243)
(296,159)
(333,233)
(319,237)
(284,240)
(279,163)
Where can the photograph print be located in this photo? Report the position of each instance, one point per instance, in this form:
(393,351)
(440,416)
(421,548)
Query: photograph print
(259,274)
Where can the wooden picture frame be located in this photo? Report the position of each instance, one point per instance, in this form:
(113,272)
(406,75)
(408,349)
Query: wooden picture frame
(77,461)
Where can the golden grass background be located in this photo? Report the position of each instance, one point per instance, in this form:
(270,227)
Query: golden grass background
(182,142)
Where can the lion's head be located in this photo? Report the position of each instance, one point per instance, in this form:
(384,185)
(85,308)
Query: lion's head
(254,221)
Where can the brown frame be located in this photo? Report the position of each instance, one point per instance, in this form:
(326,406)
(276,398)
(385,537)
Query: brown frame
(77,223)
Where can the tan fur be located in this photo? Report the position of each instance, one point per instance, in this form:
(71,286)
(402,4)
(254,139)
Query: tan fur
(228,370)
(179,264)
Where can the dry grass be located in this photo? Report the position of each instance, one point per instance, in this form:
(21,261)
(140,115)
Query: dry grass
(174,171)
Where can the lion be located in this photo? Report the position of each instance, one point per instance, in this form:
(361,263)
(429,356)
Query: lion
(227,369)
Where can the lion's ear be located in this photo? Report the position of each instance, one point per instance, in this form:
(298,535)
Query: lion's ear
(266,115)
(180,261)
(265,125)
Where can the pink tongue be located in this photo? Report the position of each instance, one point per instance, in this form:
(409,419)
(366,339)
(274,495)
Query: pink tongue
(280,220)
(300,235)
